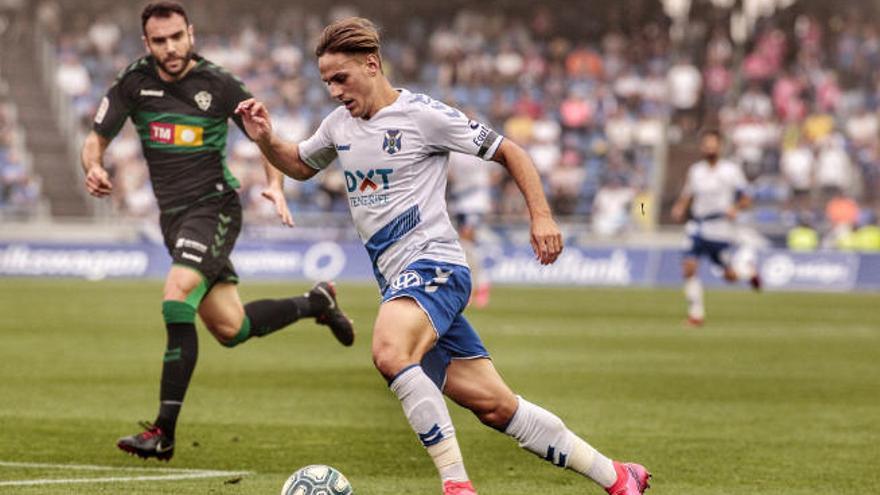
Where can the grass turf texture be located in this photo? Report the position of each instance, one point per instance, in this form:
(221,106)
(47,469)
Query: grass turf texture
(778,394)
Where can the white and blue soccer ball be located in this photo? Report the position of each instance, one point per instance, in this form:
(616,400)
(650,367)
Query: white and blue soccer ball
(317,479)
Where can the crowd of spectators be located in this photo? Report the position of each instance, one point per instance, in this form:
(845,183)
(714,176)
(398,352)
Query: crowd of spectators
(19,186)
(589,111)
(798,101)
(799,105)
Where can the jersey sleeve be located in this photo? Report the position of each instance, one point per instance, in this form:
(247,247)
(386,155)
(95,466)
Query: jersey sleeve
(319,150)
(114,108)
(235,93)
(446,129)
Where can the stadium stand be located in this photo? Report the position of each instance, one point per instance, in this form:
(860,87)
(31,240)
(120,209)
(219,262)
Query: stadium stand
(609,112)
(569,102)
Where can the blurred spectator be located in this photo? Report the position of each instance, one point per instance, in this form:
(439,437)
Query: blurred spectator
(72,76)
(803,237)
(868,237)
(565,182)
(684,86)
(842,210)
(20,191)
(834,171)
(797,170)
(611,207)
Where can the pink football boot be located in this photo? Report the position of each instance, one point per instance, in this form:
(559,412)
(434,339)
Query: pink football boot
(459,488)
(632,479)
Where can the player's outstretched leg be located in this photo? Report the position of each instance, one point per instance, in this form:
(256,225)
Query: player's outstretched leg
(401,337)
(323,295)
(232,324)
(476,385)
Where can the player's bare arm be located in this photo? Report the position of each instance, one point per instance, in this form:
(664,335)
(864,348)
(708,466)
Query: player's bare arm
(680,208)
(280,154)
(546,237)
(274,192)
(97,179)
(743,202)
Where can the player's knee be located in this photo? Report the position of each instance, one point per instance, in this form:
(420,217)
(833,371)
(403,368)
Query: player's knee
(224,332)
(388,359)
(496,413)
(177,290)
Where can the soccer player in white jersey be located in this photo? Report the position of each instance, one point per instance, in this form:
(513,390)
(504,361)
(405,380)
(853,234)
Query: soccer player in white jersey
(393,147)
(470,202)
(714,193)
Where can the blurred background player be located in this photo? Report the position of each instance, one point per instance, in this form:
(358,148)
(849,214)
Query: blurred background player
(393,146)
(180,104)
(470,201)
(713,195)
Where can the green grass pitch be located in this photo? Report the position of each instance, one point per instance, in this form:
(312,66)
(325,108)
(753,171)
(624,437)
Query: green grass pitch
(779,394)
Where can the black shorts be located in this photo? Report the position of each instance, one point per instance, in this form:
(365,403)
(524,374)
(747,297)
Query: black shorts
(202,236)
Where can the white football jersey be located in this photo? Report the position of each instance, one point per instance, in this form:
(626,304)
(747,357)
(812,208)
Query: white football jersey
(395,167)
(714,190)
(469,186)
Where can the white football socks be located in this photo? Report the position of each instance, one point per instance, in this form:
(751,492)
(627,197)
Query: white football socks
(426,411)
(541,432)
(693,293)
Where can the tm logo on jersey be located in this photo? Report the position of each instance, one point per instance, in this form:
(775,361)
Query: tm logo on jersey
(176,134)
(392,141)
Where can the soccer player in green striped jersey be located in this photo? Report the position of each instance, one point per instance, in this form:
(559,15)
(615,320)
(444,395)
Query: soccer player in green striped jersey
(180,104)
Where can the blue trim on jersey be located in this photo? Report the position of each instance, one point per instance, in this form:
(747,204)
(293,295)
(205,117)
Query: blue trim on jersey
(392,232)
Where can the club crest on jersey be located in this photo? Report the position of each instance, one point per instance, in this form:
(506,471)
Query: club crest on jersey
(406,280)
(203,100)
(392,142)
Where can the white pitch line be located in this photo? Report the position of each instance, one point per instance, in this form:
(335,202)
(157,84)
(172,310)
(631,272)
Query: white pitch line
(92,467)
(175,474)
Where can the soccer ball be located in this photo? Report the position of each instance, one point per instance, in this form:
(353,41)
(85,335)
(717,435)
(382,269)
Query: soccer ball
(317,480)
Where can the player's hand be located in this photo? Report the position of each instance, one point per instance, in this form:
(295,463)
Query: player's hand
(732,213)
(256,120)
(677,213)
(276,196)
(98,182)
(546,240)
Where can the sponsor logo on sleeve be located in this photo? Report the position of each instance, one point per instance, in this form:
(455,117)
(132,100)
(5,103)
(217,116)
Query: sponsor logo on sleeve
(102,110)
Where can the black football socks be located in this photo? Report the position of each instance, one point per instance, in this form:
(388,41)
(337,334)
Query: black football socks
(181,354)
(265,316)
